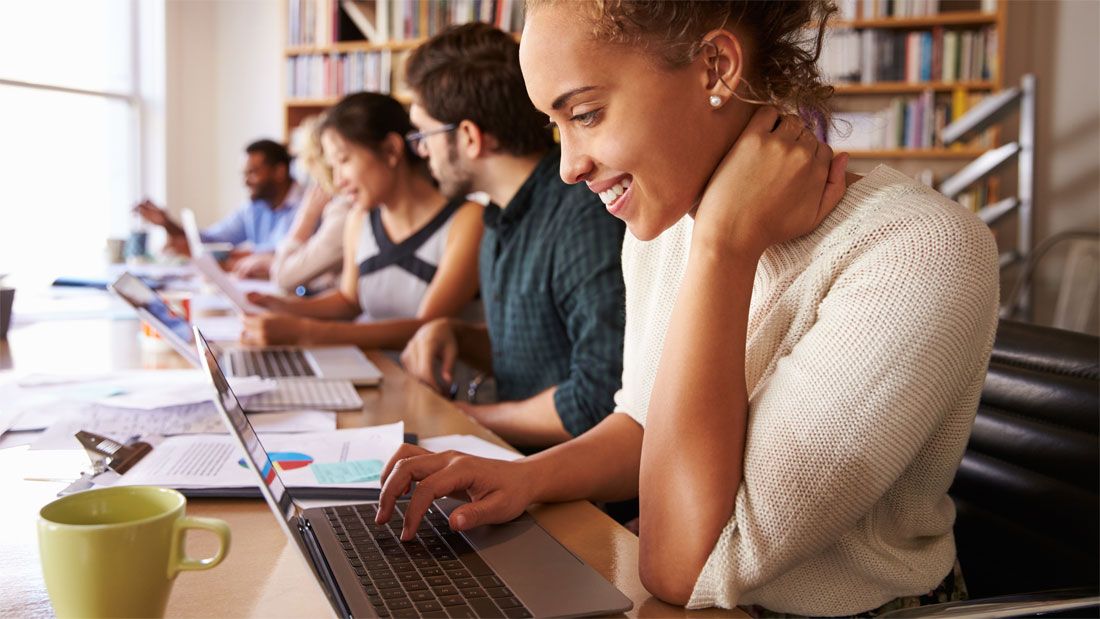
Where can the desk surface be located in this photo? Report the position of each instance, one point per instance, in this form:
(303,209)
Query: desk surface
(262,574)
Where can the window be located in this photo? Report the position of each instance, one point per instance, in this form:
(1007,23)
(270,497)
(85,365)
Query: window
(71,151)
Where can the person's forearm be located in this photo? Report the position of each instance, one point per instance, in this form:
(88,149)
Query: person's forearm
(299,264)
(474,346)
(533,422)
(331,305)
(173,228)
(305,226)
(383,334)
(695,429)
(599,465)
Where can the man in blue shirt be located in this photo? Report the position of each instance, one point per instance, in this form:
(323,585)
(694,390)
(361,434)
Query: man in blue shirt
(262,222)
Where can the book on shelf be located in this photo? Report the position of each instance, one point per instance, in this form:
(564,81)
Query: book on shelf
(973,199)
(851,10)
(906,123)
(325,76)
(414,19)
(320,23)
(870,56)
(875,9)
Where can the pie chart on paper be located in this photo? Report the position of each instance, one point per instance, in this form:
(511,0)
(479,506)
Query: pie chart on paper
(284,461)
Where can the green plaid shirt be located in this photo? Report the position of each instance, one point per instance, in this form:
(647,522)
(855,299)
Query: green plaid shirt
(552,283)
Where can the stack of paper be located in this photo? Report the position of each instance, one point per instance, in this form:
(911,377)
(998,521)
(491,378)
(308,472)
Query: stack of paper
(336,459)
(124,425)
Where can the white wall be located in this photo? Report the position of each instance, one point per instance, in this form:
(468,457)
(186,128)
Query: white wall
(1057,41)
(224,89)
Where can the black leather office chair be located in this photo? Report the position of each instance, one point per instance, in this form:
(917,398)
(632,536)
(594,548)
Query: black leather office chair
(1028,489)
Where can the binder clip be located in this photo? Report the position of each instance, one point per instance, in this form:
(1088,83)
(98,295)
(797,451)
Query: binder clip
(106,453)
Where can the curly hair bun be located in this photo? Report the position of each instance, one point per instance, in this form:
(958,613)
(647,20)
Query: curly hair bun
(786,35)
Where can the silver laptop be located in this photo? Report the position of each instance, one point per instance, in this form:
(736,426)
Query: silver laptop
(192,233)
(291,393)
(321,362)
(515,569)
(210,269)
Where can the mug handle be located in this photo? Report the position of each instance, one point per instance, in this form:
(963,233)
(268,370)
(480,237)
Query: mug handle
(178,562)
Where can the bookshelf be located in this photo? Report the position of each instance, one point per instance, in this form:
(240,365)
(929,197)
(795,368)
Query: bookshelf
(336,47)
(917,153)
(329,54)
(950,18)
(899,88)
(902,70)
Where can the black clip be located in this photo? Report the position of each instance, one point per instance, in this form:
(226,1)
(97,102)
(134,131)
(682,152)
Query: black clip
(109,453)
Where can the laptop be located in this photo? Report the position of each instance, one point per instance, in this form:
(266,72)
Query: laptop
(330,388)
(515,569)
(191,231)
(206,264)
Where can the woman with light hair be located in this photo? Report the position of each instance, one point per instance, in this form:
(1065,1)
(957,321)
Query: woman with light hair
(311,255)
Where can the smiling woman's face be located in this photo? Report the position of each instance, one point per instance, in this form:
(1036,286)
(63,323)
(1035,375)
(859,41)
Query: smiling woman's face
(640,134)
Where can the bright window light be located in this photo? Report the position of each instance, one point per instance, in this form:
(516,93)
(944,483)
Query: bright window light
(70,151)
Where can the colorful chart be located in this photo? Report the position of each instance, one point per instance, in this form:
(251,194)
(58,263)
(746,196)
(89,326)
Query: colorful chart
(284,461)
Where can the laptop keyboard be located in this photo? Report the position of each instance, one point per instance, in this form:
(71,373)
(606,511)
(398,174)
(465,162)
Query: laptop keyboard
(271,363)
(337,395)
(437,574)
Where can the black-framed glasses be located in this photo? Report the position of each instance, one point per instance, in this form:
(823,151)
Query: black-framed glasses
(416,138)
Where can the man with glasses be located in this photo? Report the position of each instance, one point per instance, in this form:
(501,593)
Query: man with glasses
(549,262)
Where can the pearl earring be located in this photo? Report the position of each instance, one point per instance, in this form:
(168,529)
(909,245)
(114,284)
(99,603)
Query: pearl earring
(715,101)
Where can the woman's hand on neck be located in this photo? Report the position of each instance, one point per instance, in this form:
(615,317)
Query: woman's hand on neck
(775,184)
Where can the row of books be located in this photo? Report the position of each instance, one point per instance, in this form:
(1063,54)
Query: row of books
(981,194)
(906,123)
(938,55)
(876,9)
(974,198)
(312,22)
(324,22)
(316,76)
(869,9)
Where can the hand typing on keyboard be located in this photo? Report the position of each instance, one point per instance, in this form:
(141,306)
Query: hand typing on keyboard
(498,491)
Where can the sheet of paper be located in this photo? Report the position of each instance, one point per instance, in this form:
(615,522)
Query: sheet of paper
(124,424)
(467,443)
(205,302)
(161,271)
(12,439)
(215,461)
(7,419)
(226,284)
(157,394)
(219,328)
(39,400)
(337,473)
(265,286)
(61,303)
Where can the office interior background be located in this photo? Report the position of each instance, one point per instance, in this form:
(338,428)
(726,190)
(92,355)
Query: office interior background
(109,101)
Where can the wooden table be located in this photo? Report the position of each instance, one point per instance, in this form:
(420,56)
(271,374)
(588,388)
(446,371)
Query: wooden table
(263,575)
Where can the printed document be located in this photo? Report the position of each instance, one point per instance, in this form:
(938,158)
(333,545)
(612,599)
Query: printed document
(348,459)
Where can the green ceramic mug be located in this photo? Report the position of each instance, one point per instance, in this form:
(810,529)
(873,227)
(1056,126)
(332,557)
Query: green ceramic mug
(115,552)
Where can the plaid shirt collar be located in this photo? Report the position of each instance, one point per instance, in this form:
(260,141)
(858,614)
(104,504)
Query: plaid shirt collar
(504,218)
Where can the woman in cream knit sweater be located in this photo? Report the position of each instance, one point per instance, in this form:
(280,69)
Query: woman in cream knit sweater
(804,348)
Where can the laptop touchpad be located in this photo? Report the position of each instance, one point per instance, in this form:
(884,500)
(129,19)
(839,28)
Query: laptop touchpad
(537,567)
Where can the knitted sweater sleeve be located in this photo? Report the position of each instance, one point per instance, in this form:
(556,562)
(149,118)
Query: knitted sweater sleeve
(297,263)
(899,338)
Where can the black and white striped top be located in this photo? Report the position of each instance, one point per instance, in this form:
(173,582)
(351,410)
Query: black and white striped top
(393,277)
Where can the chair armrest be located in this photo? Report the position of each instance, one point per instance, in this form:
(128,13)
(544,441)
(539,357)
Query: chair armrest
(1042,602)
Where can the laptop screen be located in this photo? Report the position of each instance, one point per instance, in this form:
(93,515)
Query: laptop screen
(271,486)
(153,307)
